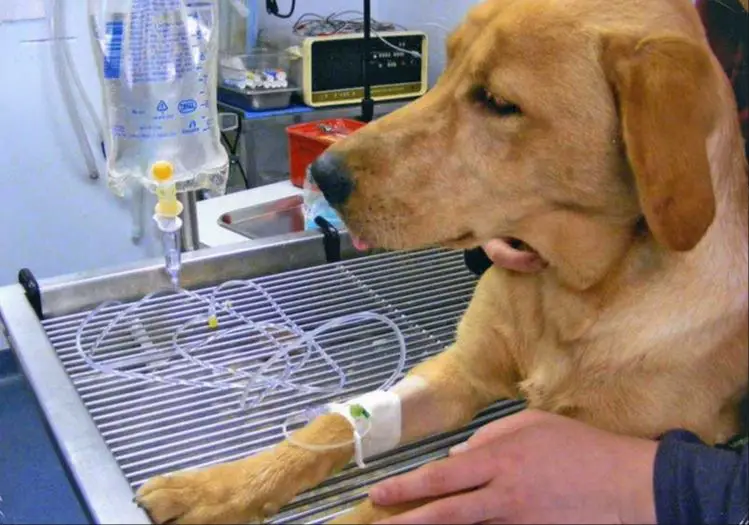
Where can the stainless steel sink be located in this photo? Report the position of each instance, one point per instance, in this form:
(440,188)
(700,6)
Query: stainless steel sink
(279,217)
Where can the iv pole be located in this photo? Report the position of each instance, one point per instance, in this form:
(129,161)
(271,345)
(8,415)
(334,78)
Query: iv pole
(367,104)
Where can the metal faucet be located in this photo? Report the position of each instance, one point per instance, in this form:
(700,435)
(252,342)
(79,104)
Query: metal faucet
(190,240)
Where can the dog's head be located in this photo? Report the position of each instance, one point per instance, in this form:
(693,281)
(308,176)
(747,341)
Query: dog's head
(551,116)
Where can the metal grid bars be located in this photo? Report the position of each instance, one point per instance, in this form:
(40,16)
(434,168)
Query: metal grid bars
(156,428)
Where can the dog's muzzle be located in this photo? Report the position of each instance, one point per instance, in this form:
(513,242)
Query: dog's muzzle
(332,177)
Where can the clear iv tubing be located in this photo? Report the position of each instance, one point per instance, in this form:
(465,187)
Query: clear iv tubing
(304,340)
(173,254)
(61,59)
(87,104)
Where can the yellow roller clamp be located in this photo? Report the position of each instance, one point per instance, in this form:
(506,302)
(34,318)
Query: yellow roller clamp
(166,191)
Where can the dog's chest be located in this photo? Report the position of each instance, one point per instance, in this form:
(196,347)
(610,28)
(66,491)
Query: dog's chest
(567,376)
(544,382)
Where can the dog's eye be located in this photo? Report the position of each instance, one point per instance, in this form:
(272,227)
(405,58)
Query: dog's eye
(498,105)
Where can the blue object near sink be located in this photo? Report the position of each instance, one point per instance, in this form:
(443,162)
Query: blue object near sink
(34,487)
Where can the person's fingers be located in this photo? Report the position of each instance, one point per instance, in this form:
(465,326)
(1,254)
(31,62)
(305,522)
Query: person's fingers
(467,508)
(502,254)
(446,476)
(500,428)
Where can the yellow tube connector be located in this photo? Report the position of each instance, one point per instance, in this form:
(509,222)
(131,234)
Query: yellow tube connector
(168,205)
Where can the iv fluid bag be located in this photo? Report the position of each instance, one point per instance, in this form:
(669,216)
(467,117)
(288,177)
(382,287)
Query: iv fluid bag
(157,61)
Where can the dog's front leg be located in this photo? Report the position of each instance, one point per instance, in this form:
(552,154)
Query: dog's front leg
(445,392)
(251,489)
(439,395)
(435,397)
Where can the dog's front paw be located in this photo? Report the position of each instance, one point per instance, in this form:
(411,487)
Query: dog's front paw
(246,491)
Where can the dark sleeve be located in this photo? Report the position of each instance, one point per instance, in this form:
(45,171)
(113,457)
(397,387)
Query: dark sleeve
(695,483)
(477,261)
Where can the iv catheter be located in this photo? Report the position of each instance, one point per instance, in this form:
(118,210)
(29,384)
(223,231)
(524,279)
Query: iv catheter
(166,216)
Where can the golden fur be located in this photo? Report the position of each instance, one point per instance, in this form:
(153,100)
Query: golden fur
(625,171)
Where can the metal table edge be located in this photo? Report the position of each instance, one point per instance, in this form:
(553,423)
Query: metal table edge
(105,492)
(189,259)
(64,294)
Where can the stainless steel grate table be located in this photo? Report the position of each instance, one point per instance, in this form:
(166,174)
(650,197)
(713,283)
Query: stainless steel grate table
(153,429)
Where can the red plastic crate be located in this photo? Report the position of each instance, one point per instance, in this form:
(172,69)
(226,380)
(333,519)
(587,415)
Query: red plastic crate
(309,140)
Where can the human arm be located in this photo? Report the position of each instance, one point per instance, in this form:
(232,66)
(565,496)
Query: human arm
(539,467)
(532,467)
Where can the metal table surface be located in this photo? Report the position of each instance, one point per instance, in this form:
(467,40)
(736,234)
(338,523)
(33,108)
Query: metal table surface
(114,433)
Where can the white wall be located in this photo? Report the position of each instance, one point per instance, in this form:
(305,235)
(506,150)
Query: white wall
(54,219)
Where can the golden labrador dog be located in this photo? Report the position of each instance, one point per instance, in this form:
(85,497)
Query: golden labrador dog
(604,135)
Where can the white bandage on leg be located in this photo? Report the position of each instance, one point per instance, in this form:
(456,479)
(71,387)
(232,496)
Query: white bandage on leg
(377,428)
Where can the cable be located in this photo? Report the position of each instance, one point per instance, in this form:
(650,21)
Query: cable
(414,54)
(272,7)
(233,148)
(313,24)
(186,342)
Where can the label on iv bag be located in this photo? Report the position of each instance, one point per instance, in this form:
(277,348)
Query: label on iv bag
(159,67)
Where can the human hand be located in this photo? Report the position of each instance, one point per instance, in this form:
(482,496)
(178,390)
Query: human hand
(502,253)
(532,467)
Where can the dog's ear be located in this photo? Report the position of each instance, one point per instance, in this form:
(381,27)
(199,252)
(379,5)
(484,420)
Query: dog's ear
(667,92)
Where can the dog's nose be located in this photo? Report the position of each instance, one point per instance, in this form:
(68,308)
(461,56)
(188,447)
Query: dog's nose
(331,176)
